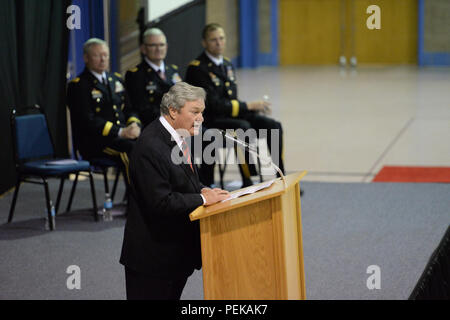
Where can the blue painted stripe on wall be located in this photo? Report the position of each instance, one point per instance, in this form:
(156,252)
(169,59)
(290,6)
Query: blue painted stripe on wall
(249,56)
(275,54)
(114,35)
(428,58)
(91,26)
(249,42)
(420,31)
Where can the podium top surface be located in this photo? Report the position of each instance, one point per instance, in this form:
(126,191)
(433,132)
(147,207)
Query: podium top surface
(276,189)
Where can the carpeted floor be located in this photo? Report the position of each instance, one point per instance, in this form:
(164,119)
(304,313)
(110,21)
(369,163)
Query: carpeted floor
(347,227)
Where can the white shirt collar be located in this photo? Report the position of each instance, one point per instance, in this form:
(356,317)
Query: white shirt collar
(175,136)
(98,75)
(217,61)
(162,67)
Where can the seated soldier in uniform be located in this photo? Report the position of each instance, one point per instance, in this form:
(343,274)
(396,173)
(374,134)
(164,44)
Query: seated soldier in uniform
(149,80)
(216,74)
(103,124)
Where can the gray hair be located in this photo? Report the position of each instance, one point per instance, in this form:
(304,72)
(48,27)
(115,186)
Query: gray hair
(91,42)
(153,32)
(179,94)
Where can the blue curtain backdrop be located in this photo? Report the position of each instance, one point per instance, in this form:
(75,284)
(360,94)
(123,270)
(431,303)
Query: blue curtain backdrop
(92,25)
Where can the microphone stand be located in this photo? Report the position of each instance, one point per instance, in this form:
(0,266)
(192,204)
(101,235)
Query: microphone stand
(255,152)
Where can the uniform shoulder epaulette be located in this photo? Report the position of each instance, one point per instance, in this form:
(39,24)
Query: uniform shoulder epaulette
(226,59)
(134,69)
(76,80)
(175,66)
(118,74)
(194,63)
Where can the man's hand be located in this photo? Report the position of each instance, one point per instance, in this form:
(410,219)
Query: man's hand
(131,132)
(261,106)
(214,195)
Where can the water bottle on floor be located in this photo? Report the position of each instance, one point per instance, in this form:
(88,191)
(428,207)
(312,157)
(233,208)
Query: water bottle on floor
(107,208)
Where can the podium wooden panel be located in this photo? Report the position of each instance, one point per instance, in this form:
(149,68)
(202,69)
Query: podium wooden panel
(252,246)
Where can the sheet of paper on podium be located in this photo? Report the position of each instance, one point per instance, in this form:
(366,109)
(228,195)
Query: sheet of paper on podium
(250,190)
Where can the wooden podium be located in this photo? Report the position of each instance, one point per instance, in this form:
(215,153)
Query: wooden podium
(252,245)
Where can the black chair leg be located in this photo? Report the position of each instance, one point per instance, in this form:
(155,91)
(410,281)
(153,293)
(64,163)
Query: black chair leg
(94,198)
(259,163)
(58,199)
(72,192)
(105,180)
(116,180)
(13,204)
(49,208)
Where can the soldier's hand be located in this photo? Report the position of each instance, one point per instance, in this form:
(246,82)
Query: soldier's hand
(260,106)
(214,195)
(135,129)
(131,132)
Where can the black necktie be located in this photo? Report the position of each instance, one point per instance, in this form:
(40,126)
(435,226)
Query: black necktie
(105,83)
(161,74)
(223,68)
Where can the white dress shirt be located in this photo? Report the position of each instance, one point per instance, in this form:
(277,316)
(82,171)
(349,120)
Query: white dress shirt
(217,61)
(99,76)
(162,67)
(176,137)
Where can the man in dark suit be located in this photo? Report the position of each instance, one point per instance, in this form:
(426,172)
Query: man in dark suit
(103,124)
(161,246)
(216,74)
(149,80)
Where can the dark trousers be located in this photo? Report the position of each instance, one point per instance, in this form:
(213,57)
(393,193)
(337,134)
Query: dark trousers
(118,150)
(145,287)
(250,121)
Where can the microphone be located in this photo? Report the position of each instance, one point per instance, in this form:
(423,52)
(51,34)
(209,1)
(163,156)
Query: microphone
(255,152)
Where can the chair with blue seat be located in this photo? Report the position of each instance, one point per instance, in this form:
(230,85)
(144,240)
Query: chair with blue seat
(99,165)
(36,162)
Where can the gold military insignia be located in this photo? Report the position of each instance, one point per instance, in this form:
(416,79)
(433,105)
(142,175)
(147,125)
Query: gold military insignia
(230,73)
(76,80)
(175,67)
(214,79)
(134,69)
(227,59)
(119,87)
(151,86)
(96,94)
(118,74)
(194,63)
(176,78)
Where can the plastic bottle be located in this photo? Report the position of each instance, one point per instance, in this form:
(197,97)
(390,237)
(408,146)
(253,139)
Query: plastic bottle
(107,208)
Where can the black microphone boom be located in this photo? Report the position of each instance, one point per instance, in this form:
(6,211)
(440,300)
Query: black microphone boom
(255,152)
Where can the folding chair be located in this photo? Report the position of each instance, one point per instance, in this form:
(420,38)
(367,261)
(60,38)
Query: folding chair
(35,159)
(223,163)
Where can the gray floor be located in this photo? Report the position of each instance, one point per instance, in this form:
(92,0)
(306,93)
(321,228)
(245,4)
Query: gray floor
(346,228)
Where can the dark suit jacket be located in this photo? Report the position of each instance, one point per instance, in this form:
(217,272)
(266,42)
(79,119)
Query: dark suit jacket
(159,238)
(220,85)
(98,112)
(146,88)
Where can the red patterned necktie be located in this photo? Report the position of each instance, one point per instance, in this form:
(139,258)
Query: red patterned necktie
(187,153)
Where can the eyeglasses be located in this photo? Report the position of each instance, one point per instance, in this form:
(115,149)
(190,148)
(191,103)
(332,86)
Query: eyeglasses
(155,45)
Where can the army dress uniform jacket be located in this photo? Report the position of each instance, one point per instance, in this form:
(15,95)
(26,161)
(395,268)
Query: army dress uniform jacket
(146,89)
(220,85)
(98,111)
